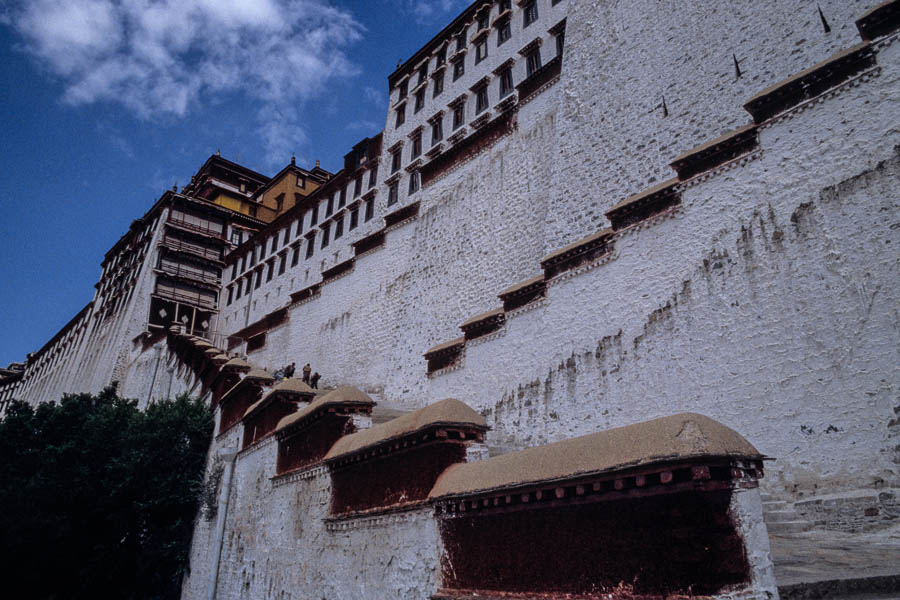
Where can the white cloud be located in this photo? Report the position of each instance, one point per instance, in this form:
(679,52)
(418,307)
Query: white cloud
(427,10)
(163,58)
(377,98)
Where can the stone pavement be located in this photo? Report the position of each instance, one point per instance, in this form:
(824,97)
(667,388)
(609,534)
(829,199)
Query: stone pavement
(833,564)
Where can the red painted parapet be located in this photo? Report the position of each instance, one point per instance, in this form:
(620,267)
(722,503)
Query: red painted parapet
(649,510)
(395,464)
(262,417)
(235,402)
(305,436)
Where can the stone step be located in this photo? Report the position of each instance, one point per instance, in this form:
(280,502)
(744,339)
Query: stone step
(783,527)
(766,497)
(774,505)
(782,516)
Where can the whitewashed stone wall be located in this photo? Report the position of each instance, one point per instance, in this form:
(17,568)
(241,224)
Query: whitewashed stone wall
(278,545)
(623,56)
(767,302)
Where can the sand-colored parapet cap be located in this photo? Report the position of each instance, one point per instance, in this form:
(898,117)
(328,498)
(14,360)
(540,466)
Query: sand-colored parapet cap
(237,363)
(679,437)
(254,375)
(344,396)
(449,412)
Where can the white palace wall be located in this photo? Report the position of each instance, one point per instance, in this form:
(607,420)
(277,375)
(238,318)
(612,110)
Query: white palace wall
(623,56)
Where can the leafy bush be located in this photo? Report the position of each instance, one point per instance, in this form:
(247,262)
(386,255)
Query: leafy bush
(97,498)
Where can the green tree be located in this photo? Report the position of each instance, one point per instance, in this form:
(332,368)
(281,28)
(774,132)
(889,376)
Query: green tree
(97,498)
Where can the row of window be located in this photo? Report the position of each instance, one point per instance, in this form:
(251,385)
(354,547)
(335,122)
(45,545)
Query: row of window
(481,92)
(333,227)
(504,74)
(503,32)
(281,238)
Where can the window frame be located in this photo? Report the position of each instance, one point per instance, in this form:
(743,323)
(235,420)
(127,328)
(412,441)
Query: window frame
(504,31)
(393,193)
(506,82)
(482,100)
(533,61)
(459,68)
(530,13)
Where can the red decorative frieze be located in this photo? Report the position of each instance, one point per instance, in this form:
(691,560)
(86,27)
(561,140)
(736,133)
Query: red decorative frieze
(305,294)
(524,292)
(337,270)
(370,242)
(646,507)
(469,147)
(396,463)
(880,21)
(578,253)
(538,81)
(444,355)
(483,324)
(810,83)
(401,214)
(716,152)
(306,436)
(642,206)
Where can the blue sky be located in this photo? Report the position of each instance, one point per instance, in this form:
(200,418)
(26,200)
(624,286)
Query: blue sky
(106,103)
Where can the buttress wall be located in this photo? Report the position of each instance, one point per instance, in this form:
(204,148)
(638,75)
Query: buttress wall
(623,57)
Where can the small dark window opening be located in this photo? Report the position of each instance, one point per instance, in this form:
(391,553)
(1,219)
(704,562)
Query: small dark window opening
(504,32)
(417,145)
(330,206)
(395,161)
(339,226)
(481,50)
(531,13)
(354,218)
(357,186)
(314,215)
(370,209)
(230,296)
(373,176)
(438,84)
(325,231)
(459,115)
(296,256)
(560,42)
(259,276)
(423,73)
(459,68)
(282,264)
(240,285)
(481,99)
(393,192)
(420,100)
(461,41)
(404,87)
(533,61)
(401,115)
(413,183)
(343,199)
(270,271)
(310,246)
(442,56)
(437,131)
(506,82)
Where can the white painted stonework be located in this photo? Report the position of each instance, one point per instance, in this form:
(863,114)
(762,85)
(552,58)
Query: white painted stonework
(767,300)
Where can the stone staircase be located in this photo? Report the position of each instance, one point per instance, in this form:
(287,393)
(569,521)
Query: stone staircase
(781,518)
